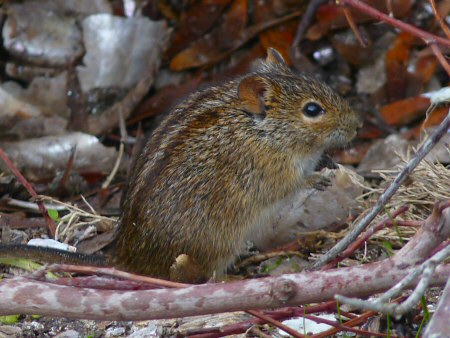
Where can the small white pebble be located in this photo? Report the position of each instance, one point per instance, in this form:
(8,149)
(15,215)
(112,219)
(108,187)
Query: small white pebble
(439,96)
(115,332)
(303,325)
(51,243)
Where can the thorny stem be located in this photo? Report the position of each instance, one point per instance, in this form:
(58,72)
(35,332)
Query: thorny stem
(388,193)
(50,224)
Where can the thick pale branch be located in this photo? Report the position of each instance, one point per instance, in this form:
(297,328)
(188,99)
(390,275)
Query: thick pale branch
(21,295)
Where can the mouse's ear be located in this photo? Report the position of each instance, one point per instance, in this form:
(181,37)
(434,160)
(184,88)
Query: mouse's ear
(274,57)
(251,92)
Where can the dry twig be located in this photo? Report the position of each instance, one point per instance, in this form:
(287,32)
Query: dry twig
(276,323)
(365,236)
(50,224)
(398,310)
(439,18)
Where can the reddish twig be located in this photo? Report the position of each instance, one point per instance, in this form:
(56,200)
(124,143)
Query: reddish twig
(427,37)
(281,314)
(364,237)
(69,167)
(439,18)
(306,20)
(439,219)
(352,322)
(258,333)
(115,273)
(343,327)
(101,283)
(276,323)
(441,58)
(410,223)
(354,28)
(424,35)
(50,224)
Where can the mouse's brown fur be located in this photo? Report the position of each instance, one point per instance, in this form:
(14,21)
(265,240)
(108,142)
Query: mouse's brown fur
(219,159)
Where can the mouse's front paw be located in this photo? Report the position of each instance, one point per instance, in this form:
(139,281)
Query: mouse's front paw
(318,182)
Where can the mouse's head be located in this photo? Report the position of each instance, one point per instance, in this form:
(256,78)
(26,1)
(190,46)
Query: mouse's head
(309,113)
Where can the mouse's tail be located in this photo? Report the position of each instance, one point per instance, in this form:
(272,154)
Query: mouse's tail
(51,255)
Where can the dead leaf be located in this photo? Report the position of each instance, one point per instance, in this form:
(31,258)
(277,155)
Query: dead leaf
(396,64)
(196,21)
(402,112)
(215,43)
(280,37)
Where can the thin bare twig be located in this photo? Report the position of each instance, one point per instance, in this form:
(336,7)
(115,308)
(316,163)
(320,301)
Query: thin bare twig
(115,168)
(398,288)
(354,28)
(365,236)
(69,167)
(306,20)
(281,314)
(123,137)
(439,18)
(343,327)
(50,224)
(427,37)
(434,138)
(426,269)
(257,332)
(115,273)
(276,323)
(352,322)
(441,58)
(424,35)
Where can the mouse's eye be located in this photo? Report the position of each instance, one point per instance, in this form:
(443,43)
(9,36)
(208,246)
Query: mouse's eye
(313,109)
